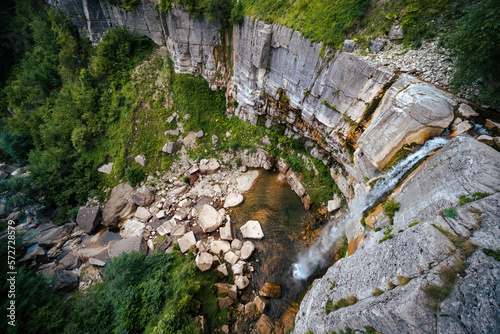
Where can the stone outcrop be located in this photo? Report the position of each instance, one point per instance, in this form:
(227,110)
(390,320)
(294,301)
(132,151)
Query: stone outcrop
(55,236)
(425,249)
(88,218)
(143,196)
(411,114)
(119,205)
(460,312)
(132,244)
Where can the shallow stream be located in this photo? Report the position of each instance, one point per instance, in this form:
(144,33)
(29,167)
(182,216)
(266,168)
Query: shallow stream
(280,213)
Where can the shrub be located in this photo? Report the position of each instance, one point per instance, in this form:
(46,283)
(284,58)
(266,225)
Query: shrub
(16,145)
(134,175)
(449,212)
(390,209)
(186,179)
(237,14)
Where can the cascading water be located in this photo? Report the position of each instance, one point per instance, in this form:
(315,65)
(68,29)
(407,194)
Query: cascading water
(317,256)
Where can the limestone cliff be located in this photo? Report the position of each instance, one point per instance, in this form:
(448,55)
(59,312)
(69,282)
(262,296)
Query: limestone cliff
(361,114)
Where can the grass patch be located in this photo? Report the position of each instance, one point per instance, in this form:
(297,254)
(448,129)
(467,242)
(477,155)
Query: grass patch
(377,292)
(403,280)
(413,224)
(331,307)
(493,253)
(476,196)
(342,251)
(438,293)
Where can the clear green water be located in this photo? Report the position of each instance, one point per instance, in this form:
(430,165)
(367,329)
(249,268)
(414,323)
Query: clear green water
(280,213)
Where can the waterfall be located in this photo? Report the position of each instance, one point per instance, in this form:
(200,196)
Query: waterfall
(318,256)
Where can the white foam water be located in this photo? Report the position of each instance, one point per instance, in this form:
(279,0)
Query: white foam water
(318,256)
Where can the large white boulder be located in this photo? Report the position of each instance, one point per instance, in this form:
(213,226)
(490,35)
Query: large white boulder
(187,241)
(209,219)
(247,250)
(252,230)
(204,261)
(233,199)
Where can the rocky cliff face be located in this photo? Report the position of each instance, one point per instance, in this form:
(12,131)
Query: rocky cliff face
(361,114)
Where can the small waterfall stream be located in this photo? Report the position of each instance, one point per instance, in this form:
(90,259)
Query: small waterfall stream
(319,255)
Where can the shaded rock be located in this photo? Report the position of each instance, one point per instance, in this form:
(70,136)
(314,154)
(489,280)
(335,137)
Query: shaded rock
(247,250)
(106,169)
(215,140)
(65,280)
(179,191)
(466,111)
(252,230)
(169,147)
(181,213)
(222,268)
(226,231)
(486,139)
(349,45)
(209,219)
(224,302)
(396,32)
(133,244)
(260,304)
(241,282)
(143,214)
(190,139)
(239,268)
(70,262)
(231,257)
(236,244)
(178,231)
(96,262)
(143,196)
(295,184)
(334,204)
(88,218)
(264,325)
(377,44)
(204,261)
(270,290)
(462,127)
(209,166)
(259,159)
(119,205)
(161,214)
(165,228)
(132,228)
(490,125)
(55,236)
(140,159)
(227,288)
(187,241)
(219,246)
(199,134)
(233,200)
(33,254)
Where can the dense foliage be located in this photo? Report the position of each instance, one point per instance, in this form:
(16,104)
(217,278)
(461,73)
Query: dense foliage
(325,21)
(475,40)
(162,293)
